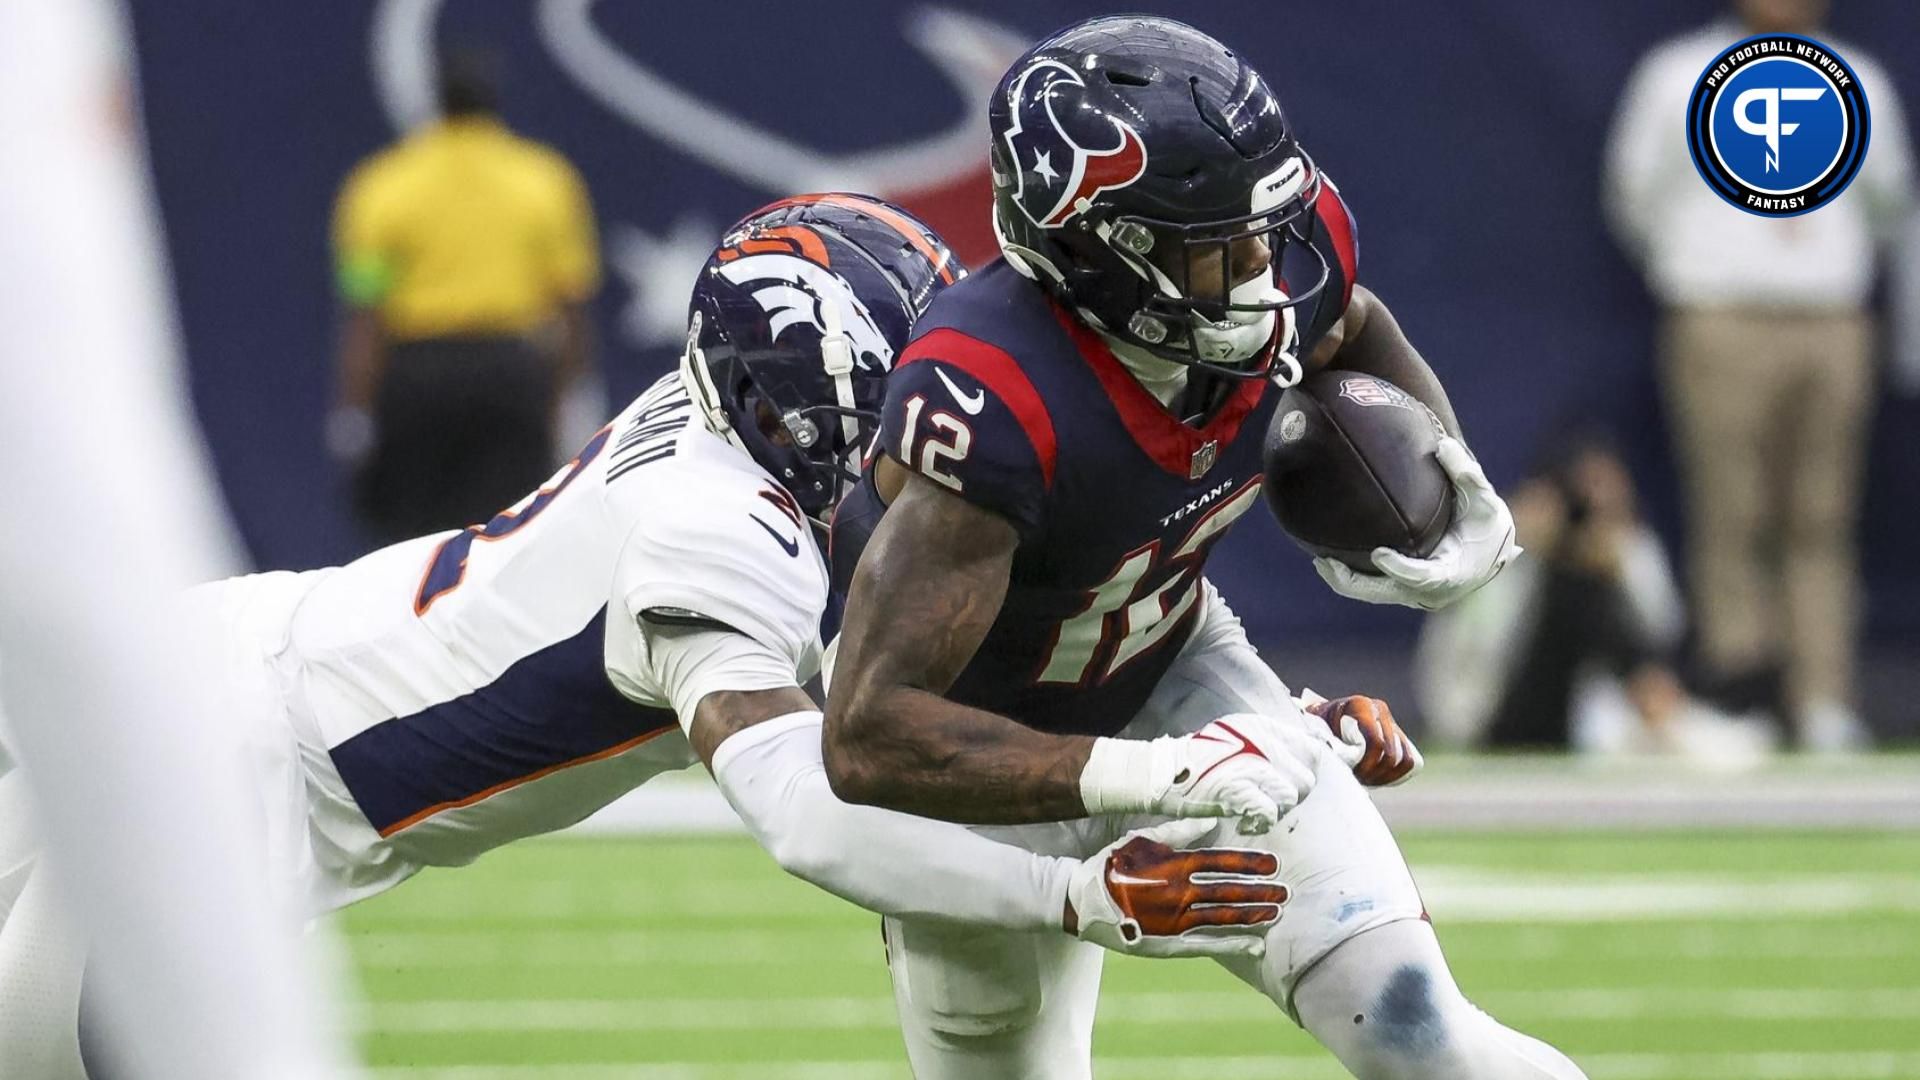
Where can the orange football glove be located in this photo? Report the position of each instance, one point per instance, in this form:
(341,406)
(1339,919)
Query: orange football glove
(1145,896)
(1385,755)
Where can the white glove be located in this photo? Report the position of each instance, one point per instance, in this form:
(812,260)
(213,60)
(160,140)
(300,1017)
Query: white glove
(1141,896)
(1246,766)
(1477,545)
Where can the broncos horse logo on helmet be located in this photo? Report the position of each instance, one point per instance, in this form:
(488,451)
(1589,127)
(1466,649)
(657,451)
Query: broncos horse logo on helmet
(794,324)
(798,286)
(1129,149)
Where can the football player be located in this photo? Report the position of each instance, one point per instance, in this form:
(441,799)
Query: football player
(1070,432)
(111,508)
(658,602)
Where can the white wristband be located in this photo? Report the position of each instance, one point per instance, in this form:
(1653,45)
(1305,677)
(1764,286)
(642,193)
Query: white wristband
(1126,776)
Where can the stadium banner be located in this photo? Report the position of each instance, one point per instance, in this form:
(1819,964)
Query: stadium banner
(1469,149)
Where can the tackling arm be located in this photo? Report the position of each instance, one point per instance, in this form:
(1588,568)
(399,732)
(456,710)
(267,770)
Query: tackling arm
(769,768)
(763,749)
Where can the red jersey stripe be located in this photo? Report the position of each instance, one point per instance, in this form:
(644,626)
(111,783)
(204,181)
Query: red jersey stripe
(998,372)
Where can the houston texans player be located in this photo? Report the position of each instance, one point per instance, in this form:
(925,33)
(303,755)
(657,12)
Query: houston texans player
(1067,436)
(658,602)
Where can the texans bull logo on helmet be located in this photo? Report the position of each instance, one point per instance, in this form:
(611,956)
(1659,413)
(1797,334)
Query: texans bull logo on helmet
(1062,150)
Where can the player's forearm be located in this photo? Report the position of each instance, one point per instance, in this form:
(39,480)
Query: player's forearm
(887,862)
(1375,345)
(919,753)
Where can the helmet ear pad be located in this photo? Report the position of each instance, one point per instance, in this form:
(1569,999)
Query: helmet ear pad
(1031,263)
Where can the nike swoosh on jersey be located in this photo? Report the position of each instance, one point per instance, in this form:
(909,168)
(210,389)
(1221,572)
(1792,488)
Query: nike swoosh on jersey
(970,404)
(792,546)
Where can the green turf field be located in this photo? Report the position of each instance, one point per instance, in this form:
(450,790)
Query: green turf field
(1657,956)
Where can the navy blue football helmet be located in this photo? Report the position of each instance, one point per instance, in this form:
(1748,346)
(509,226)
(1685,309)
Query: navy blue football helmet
(1129,153)
(794,324)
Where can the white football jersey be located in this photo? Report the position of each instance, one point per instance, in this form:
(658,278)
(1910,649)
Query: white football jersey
(475,687)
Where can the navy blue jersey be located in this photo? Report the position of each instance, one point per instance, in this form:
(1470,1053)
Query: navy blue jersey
(1011,403)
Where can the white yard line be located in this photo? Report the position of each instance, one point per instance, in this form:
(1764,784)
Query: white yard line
(1471,895)
(578,948)
(1493,795)
(1835,1065)
(439,1017)
(1825,1065)
(1454,894)
(1134,1010)
(1795,941)
(456,949)
(1829,1065)
(797,1070)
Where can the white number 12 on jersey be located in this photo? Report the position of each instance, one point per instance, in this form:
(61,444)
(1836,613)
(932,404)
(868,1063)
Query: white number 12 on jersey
(1144,620)
(951,441)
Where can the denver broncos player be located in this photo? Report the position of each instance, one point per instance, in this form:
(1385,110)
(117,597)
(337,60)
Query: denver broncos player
(656,603)
(1070,432)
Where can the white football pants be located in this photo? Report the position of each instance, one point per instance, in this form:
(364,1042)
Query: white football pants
(979,1005)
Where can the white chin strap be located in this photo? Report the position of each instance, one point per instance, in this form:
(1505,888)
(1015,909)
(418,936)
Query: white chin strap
(836,355)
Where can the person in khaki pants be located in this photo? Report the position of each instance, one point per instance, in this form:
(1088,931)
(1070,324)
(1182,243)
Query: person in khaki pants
(1770,408)
(1766,361)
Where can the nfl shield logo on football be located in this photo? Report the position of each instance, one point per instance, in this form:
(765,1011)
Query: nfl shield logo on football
(1362,390)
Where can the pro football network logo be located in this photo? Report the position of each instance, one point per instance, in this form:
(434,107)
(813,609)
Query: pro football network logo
(1778,125)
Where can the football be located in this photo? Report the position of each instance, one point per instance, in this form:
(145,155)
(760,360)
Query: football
(1350,467)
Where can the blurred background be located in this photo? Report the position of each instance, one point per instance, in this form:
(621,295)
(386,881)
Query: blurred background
(1608,904)
(1469,140)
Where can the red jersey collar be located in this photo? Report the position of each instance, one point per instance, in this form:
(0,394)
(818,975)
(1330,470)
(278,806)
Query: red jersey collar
(1172,444)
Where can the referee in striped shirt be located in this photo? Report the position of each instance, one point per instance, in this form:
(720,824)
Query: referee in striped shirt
(465,256)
